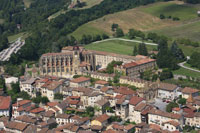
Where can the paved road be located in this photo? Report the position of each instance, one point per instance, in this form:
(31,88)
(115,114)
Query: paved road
(127,40)
(14,47)
(182,65)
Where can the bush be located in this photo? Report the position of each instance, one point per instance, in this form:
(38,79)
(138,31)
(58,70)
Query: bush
(58,96)
(176,19)
(162,16)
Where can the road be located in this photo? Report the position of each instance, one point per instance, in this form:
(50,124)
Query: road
(182,65)
(127,40)
(14,47)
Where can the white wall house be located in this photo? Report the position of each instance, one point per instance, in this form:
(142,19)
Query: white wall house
(5,106)
(28,86)
(168,91)
(80,82)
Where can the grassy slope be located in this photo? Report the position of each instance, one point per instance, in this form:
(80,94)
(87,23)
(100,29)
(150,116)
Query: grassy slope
(174,9)
(183,71)
(119,47)
(88,30)
(13,38)
(1,21)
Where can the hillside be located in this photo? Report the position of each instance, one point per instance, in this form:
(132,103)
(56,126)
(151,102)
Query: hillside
(146,18)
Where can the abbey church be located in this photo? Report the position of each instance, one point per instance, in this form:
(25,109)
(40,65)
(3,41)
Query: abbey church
(74,60)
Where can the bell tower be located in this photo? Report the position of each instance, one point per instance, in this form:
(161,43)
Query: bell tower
(76,60)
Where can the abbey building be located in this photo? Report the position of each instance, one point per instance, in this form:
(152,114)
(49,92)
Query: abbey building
(76,60)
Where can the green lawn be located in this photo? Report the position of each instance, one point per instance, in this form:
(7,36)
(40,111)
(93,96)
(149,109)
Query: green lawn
(13,38)
(86,29)
(186,72)
(174,9)
(116,46)
(188,65)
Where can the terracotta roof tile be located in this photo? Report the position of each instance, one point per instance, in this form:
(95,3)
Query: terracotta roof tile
(16,125)
(135,100)
(37,110)
(164,114)
(80,79)
(174,123)
(188,90)
(168,87)
(102,118)
(52,104)
(22,102)
(5,102)
(102,82)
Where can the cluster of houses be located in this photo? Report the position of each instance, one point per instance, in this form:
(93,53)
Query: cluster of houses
(109,103)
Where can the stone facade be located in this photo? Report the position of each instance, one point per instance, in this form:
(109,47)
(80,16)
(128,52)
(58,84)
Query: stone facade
(75,60)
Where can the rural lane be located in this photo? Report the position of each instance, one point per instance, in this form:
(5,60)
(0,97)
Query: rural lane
(182,65)
(127,40)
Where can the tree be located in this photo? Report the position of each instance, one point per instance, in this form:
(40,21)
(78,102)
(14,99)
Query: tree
(177,52)
(131,34)
(162,16)
(119,32)
(37,100)
(170,106)
(194,60)
(24,95)
(142,50)
(114,26)
(104,36)
(110,66)
(135,51)
(15,87)
(166,74)
(182,101)
(58,96)
(44,100)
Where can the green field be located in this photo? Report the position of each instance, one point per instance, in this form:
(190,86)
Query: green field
(174,9)
(186,72)
(115,46)
(188,65)
(90,3)
(87,30)
(13,38)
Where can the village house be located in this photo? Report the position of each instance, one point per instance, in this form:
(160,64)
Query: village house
(101,120)
(134,69)
(94,97)
(134,101)
(101,76)
(167,91)
(35,112)
(139,83)
(51,89)
(26,119)
(159,117)
(48,115)
(121,107)
(186,92)
(101,106)
(121,128)
(62,119)
(20,107)
(5,106)
(15,127)
(101,83)
(27,85)
(171,126)
(80,82)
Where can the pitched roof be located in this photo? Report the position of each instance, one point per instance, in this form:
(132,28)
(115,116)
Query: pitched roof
(26,119)
(140,106)
(102,82)
(164,114)
(80,79)
(52,104)
(166,86)
(189,90)
(102,102)
(37,110)
(174,123)
(135,100)
(22,102)
(53,85)
(124,91)
(102,118)
(63,116)
(16,125)
(5,102)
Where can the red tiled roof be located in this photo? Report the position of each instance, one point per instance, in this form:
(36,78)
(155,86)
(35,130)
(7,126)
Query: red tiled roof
(22,102)
(189,90)
(52,104)
(16,125)
(102,82)
(102,118)
(135,100)
(5,102)
(37,110)
(80,79)
(164,114)
(176,109)
(174,123)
